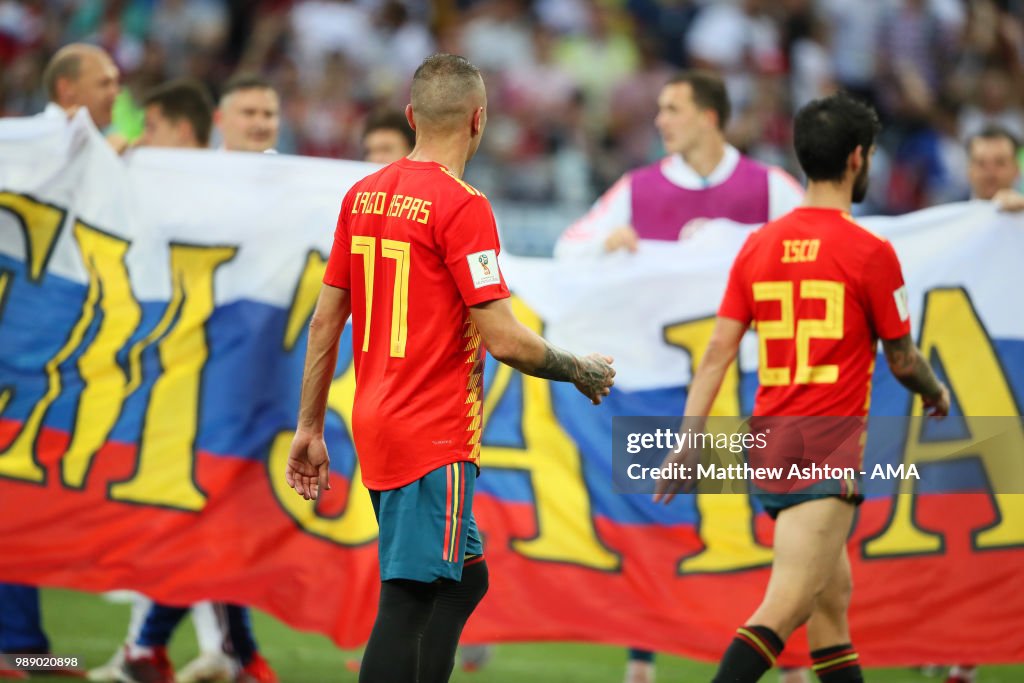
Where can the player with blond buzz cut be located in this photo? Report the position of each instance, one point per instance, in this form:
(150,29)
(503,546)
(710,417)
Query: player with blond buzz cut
(812,269)
(415,264)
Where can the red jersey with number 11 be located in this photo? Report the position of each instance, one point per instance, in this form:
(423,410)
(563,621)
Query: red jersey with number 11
(416,247)
(821,290)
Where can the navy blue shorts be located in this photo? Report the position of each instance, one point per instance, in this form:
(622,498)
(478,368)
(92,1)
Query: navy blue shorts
(427,529)
(843,489)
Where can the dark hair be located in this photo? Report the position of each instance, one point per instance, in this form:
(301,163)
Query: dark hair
(187,99)
(826,131)
(390,119)
(440,87)
(994,131)
(244,81)
(708,92)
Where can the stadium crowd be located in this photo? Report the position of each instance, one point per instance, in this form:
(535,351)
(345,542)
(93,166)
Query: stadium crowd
(573,84)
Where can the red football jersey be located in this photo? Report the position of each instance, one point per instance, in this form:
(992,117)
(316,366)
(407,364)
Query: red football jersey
(416,247)
(820,290)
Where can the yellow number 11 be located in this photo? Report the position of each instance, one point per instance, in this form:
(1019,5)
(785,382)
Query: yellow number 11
(399,251)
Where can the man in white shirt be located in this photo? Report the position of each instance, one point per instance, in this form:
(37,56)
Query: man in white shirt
(702,177)
(81,75)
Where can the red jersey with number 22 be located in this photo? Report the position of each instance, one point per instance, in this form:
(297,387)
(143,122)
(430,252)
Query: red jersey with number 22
(821,290)
(416,247)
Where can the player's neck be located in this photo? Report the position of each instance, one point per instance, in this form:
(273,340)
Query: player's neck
(450,153)
(705,156)
(828,196)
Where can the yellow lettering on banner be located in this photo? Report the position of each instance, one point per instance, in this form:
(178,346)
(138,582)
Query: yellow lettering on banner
(18,460)
(41,224)
(106,384)
(166,453)
(565,526)
(5,279)
(726,519)
(357,524)
(304,300)
(952,331)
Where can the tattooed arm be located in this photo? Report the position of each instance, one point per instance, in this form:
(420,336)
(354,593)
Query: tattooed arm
(910,368)
(512,343)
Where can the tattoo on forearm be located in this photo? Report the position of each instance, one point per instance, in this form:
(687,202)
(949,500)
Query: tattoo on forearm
(558,365)
(588,374)
(910,367)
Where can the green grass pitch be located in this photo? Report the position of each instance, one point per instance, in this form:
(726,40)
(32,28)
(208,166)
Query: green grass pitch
(90,627)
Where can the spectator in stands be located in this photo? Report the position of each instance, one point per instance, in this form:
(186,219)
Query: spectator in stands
(993,169)
(83,76)
(249,115)
(387,137)
(702,177)
(177,114)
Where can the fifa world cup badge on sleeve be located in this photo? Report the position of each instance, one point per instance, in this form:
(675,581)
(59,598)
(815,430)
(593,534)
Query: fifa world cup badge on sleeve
(483,266)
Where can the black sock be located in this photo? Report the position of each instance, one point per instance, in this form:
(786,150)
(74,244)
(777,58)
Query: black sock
(750,654)
(392,654)
(455,601)
(238,638)
(837,664)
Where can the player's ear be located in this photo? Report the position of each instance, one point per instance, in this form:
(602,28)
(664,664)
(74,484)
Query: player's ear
(478,121)
(64,91)
(408,116)
(711,117)
(856,159)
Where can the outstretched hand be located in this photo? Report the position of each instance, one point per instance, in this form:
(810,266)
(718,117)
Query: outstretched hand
(666,488)
(595,376)
(937,406)
(308,468)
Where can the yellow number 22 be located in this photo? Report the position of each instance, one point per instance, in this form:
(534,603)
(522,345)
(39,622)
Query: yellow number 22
(829,327)
(398,251)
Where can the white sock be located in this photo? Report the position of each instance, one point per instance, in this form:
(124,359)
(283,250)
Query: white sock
(209,631)
(140,608)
